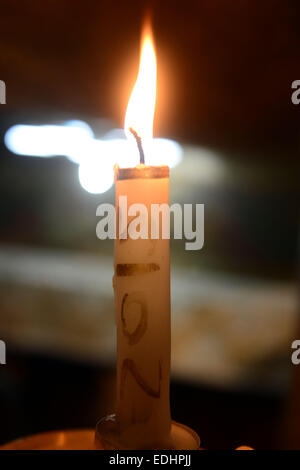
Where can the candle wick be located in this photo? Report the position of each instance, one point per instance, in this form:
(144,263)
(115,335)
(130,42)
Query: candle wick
(139,144)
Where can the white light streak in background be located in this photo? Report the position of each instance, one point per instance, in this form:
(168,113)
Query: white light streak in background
(95,157)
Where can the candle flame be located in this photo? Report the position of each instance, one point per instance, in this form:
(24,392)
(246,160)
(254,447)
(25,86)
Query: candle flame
(140,110)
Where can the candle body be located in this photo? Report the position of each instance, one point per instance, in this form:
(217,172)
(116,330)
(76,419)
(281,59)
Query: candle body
(142,305)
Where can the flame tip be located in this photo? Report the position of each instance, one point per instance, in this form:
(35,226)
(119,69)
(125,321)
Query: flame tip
(141,106)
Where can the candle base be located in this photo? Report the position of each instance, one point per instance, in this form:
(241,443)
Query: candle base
(107,436)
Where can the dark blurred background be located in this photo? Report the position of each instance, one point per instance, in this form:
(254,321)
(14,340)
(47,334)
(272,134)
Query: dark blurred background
(225,71)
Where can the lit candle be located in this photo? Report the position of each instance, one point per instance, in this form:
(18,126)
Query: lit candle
(142,289)
(142,282)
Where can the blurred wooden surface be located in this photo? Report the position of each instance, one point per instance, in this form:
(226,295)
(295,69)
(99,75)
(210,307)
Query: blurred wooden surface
(226,331)
(55,440)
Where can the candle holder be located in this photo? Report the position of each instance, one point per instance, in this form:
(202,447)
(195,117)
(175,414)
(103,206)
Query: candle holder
(109,437)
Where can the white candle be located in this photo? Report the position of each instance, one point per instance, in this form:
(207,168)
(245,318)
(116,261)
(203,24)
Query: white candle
(142,303)
(142,290)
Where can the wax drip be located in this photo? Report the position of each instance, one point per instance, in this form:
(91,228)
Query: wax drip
(139,144)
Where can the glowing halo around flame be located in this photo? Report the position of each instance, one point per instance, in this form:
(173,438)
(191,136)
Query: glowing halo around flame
(97,157)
